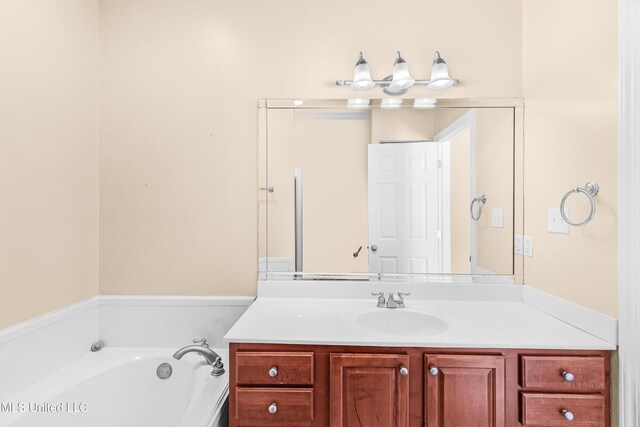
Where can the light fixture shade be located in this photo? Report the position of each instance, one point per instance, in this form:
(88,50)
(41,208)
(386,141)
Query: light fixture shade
(362,76)
(440,74)
(391,103)
(424,102)
(357,103)
(401,78)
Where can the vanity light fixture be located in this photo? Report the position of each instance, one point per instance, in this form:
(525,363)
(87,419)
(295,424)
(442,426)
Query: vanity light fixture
(391,103)
(400,81)
(424,103)
(357,103)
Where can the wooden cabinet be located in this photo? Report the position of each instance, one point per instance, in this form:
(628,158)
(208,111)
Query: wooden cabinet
(563,372)
(569,390)
(339,386)
(274,368)
(273,406)
(464,390)
(563,409)
(369,390)
(264,393)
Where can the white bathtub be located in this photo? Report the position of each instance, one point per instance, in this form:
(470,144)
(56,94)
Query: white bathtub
(119,387)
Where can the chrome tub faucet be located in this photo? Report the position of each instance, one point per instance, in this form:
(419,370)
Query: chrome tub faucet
(202,348)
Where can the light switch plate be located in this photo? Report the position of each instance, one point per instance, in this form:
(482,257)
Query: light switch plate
(527,246)
(497,218)
(555,223)
(517,244)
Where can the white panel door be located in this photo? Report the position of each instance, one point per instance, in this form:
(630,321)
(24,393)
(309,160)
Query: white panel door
(403,208)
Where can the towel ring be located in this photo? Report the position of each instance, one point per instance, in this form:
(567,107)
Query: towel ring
(481,201)
(590,190)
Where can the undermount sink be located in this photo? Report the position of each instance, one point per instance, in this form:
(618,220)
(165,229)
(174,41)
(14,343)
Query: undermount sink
(401,322)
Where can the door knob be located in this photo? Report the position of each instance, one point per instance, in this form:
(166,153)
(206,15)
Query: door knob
(433,371)
(273,372)
(273,408)
(568,415)
(404,371)
(374,248)
(568,376)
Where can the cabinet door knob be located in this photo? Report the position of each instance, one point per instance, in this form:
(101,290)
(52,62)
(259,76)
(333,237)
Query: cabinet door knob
(273,372)
(433,371)
(273,408)
(404,371)
(568,376)
(568,415)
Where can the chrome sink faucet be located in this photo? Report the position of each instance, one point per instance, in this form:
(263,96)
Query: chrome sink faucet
(203,349)
(392,302)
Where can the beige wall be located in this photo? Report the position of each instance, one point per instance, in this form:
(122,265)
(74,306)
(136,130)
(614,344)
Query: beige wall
(333,157)
(494,175)
(570,89)
(494,163)
(460,149)
(179,84)
(402,125)
(48,156)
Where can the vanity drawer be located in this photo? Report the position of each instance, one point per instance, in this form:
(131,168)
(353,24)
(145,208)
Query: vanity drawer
(274,406)
(274,368)
(586,373)
(546,410)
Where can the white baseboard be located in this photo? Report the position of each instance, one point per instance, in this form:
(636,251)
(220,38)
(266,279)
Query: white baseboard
(591,321)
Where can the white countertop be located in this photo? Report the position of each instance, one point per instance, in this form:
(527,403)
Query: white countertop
(473,323)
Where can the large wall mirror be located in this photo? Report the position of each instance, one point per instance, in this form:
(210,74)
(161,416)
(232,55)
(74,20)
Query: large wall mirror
(407,189)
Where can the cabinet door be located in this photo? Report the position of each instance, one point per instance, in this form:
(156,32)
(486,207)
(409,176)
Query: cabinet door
(463,390)
(369,390)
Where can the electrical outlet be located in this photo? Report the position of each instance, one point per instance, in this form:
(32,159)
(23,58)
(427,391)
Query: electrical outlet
(527,246)
(497,218)
(517,244)
(555,223)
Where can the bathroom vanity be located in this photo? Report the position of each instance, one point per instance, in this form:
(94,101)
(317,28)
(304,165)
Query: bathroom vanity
(317,361)
(429,201)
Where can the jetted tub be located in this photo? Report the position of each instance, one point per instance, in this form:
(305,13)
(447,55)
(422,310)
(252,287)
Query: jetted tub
(120,387)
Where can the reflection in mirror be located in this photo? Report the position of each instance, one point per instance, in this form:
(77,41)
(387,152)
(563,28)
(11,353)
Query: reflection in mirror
(387,191)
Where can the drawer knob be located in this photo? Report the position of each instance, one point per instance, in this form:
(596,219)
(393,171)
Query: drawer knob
(273,372)
(404,371)
(568,415)
(433,371)
(273,408)
(568,376)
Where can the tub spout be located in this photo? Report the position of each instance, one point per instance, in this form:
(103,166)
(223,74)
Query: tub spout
(211,356)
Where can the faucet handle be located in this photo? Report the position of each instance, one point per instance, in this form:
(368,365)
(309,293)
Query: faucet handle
(201,341)
(401,300)
(381,301)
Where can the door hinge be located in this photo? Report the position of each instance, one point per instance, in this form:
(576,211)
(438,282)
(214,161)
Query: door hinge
(439,164)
